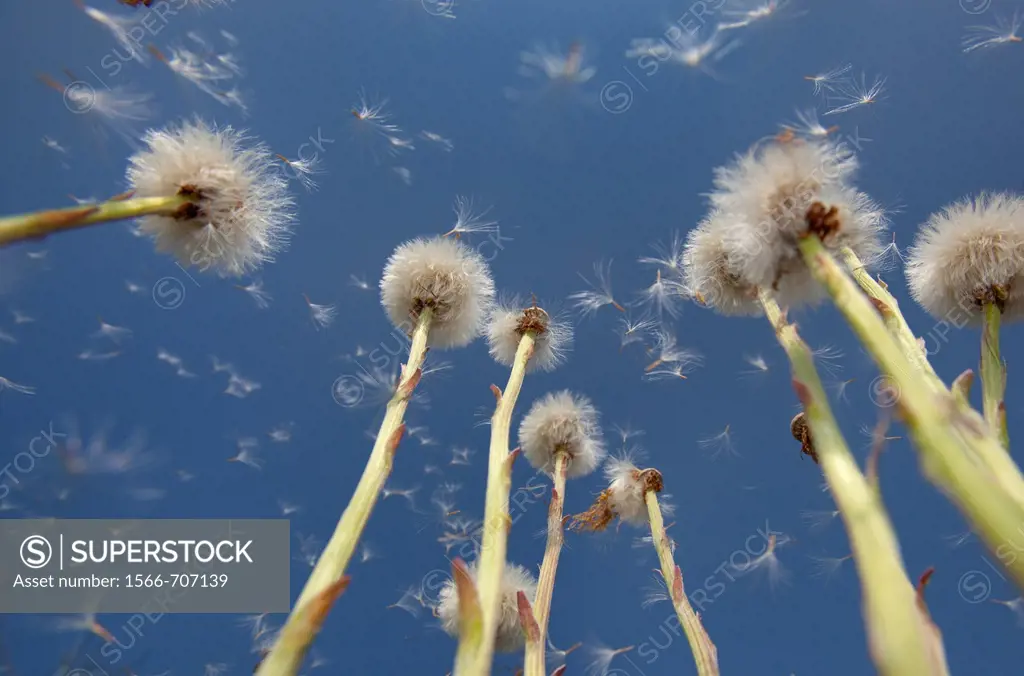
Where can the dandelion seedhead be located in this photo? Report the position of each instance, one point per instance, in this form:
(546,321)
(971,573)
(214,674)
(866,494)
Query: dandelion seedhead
(600,292)
(243,212)
(711,277)
(446,276)
(623,498)
(770,197)
(509,636)
(511,319)
(562,422)
(969,254)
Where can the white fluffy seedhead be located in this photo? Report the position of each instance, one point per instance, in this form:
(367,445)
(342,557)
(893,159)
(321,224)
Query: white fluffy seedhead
(762,199)
(710,277)
(509,637)
(444,275)
(243,214)
(512,318)
(969,253)
(562,421)
(626,489)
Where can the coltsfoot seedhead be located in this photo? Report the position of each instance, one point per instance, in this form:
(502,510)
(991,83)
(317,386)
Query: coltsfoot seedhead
(651,480)
(823,221)
(596,518)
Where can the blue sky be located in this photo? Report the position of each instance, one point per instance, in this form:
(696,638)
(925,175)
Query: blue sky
(570,184)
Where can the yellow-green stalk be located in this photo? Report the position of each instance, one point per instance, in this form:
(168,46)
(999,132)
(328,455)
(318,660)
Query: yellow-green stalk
(285,659)
(901,637)
(476,649)
(705,654)
(889,308)
(39,224)
(993,375)
(1001,465)
(944,436)
(546,581)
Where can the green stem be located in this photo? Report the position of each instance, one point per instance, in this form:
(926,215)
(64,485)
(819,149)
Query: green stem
(705,654)
(546,581)
(476,649)
(949,442)
(285,659)
(993,375)
(39,224)
(887,305)
(900,639)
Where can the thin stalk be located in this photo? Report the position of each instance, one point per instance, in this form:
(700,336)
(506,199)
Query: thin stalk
(546,581)
(993,375)
(887,305)
(286,659)
(39,224)
(942,434)
(705,654)
(476,649)
(1001,465)
(900,638)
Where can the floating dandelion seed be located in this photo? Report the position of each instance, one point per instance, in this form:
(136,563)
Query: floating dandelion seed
(256,292)
(247,453)
(470,218)
(113,333)
(857,94)
(807,125)
(818,520)
(827,357)
(240,387)
(6,384)
(120,27)
(747,17)
(600,292)
(509,635)
(839,388)
(359,282)
(685,48)
(303,170)
(661,296)
(959,539)
(719,443)
(288,508)
(243,213)
(408,493)
(282,433)
(411,601)
(669,256)
(367,553)
(322,315)
(670,355)
(890,257)
(824,82)
(602,656)
(1017,606)
(1003,32)
(630,331)
(758,362)
(825,567)
(445,144)
(21,318)
(371,126)
(768,563)
(460,456)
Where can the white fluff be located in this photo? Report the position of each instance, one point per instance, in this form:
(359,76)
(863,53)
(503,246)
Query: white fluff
(509,637)
(505,329)
(445,275)
(709,274)
(562,421)
(626,492)
(244,212)
(965,249)
(763,197)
